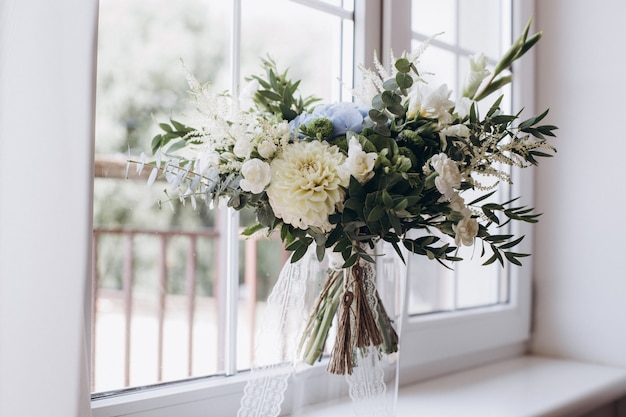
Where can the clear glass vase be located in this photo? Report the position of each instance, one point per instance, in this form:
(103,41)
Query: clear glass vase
(364,383)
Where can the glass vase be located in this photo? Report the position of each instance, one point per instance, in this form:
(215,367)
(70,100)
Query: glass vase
(317,377)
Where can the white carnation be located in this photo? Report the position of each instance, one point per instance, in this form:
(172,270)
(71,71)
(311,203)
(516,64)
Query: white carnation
(457,203)
(449,177)
(433,104)
(465,231)
(256,176)
(359,163)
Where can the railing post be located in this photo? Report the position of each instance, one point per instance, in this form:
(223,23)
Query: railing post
(251,287)
(161,306)
(191,299)
(128,303)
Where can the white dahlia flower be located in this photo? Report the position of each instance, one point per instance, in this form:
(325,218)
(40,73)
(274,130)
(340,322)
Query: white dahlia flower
(306,184)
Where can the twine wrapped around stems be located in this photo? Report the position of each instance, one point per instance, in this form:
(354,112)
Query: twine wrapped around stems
(361,322)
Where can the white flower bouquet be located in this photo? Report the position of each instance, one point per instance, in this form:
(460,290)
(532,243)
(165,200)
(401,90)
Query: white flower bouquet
(343,176)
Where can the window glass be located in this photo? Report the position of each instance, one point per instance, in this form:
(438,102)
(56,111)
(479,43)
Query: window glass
(302,39)
(160,275)
(486,15)
(445,11)
(434,288)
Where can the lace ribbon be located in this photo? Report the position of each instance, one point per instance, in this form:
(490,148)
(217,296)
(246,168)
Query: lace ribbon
(277,340)
(282,324)
(367,387)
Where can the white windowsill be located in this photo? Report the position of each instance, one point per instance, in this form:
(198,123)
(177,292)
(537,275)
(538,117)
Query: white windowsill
(527,386)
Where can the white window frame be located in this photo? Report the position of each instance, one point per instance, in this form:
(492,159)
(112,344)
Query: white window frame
(431,344)
(448,341)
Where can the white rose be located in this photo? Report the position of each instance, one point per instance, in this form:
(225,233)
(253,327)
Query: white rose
(243,147)
(256,176)
(460,131)
(359,163)
(449,177)
(266,149)
(457,203)
(465,231)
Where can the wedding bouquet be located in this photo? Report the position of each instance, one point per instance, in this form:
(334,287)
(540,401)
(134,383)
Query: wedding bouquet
(343,176)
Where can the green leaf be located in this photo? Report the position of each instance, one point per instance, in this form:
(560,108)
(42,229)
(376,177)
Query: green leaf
(350,261)
(511,243)
(377,102)
(404,80)
(250,230)
(395,222)
(495,106)
(378,117)
(390,98)
(165,127)
(490,215)
(180,127)
(354,204)
(481,198)
(396,109)
(497,238)
(299,253)
(403,65)
(390,84)
(320,251)
(177,146)
(355,189)
(387,200)
(270,95)
(376,214)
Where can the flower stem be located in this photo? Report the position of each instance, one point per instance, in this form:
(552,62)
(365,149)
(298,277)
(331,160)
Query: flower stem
(322,318)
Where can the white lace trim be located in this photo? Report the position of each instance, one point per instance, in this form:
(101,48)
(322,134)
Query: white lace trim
(282,319)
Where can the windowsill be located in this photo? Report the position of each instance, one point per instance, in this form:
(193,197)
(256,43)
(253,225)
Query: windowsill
(520,387)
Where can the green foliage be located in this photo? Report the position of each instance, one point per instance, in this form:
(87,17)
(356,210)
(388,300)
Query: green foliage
(403,191)
(522,45)
(277,94)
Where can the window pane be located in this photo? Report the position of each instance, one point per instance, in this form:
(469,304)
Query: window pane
(155,311)
(438,66)
(480,28)
(422,12)
(159,272)
(317,49)
(305,40)
(480,24)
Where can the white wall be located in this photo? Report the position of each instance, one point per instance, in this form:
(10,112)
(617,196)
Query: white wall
(46,102)
(580,267)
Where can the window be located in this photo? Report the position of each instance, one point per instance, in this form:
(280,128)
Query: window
(161,280)
(481,313)
(469,285)
(170,283)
